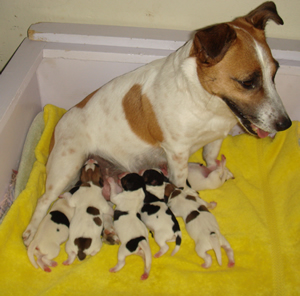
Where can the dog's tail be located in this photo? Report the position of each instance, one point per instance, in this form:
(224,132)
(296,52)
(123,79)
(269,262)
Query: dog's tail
(178,242)
(147,256)
(30,253)
(214,240)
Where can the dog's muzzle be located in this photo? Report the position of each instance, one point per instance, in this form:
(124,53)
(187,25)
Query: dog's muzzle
(283,123)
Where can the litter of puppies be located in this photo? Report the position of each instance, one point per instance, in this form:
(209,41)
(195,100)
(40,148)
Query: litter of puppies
(138,203)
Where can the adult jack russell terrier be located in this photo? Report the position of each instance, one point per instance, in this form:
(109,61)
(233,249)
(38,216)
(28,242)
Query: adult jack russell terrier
(166,110)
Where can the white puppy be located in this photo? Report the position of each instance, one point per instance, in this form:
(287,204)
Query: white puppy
(51,233)
(201,225)
(132,231)
(156,214)
(201,177)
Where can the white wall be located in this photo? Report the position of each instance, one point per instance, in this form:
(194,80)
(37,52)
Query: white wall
(17,15)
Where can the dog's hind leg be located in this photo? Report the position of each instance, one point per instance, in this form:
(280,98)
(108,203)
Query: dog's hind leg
(61,171)
(229,252)
(122,253)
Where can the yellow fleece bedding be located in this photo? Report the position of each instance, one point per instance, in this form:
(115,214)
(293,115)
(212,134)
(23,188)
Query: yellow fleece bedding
(258,212)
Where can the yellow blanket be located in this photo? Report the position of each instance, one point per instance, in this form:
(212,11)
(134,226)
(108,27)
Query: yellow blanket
(258,212)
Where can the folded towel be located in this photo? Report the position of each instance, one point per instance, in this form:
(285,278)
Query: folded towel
(258,212)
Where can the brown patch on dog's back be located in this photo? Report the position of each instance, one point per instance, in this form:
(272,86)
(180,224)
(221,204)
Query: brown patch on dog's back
(93,211)
(191,216)
(97,221)
(141,117)
(85,100)
(190,197)
(82,243)
(203,209)
(175,193)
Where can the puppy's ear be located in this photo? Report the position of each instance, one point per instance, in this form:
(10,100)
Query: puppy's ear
(211,44)
(260,16)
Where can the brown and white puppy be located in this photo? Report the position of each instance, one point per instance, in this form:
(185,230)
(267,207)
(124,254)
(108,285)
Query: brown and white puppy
(87,223)
(201,177)
(131,230)
(223,75)
(156,214)
(201,225)
(52,232)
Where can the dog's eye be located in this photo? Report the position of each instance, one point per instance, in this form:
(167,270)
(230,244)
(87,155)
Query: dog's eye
(247,84)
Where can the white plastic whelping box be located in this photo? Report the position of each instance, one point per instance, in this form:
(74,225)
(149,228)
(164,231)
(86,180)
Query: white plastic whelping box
(62,63)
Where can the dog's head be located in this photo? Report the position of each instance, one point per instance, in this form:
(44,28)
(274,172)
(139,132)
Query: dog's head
(91,172)
(235,63)
(153,177)
(132,182)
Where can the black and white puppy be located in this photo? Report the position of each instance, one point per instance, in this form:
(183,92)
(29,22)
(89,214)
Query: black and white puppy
(90,206)
(156,214)
(51,233)
(201,225)
(132,232)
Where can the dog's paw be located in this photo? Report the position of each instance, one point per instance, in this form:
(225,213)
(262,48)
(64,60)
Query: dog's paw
(110,237)
(144,276)
(227,174)
(28,235)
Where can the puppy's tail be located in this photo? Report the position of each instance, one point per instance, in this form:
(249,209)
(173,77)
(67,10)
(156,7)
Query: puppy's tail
(178,242)
(215,244)
(30,253)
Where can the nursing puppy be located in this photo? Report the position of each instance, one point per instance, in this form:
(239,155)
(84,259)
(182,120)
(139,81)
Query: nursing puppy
(87,223)
(156,214)
(201,225)
(52,232)
(223,75)
(201,177)
(131,230)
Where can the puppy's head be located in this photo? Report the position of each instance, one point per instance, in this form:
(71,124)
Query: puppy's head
(153,177)
(91,172)
(235,63)
(132,182)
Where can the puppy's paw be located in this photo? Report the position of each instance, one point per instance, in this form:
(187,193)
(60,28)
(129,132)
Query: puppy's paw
(227,174)
(144,276)
(28,235)
(212,205)
(110,237)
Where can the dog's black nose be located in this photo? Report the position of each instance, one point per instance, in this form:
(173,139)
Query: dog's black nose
(283,124)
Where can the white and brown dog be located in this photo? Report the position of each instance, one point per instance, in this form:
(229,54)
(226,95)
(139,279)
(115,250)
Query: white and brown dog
(90,206)
(223,75)
(52,232)
(200,224)
(132,232)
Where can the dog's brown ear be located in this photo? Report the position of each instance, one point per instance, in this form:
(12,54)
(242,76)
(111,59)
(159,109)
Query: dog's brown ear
(211,43)
(260,16)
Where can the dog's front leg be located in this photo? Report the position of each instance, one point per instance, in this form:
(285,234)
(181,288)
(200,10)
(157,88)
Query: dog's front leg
(178,167)
(210,154)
